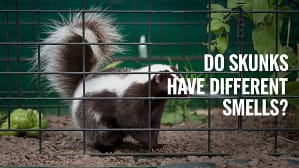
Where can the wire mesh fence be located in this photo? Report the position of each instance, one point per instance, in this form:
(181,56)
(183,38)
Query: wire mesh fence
(174,31)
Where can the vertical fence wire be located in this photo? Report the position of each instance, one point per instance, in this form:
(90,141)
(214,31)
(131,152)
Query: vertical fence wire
(149,34)
(240,36)
(209,74)
(39,87)
(276,50)
(83,75)
(18,52)
(8,64)
(136,38)
(161,28)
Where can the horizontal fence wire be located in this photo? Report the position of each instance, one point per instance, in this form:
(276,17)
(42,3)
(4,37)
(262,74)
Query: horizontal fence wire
(155,129)
(111,73)
(142,98)
(146,11)
(136,58)
(118,23)
(21,93)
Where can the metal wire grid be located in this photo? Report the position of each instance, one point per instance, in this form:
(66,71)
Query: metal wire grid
(240,36)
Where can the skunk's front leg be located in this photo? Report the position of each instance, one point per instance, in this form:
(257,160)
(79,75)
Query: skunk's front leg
(149,139)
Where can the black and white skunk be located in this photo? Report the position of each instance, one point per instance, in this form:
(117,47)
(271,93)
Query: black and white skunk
(103,113)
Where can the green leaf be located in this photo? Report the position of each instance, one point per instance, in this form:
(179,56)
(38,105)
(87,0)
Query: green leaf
(197,118)
(44,123)
(220,15)
(279,25)
(259,5)
(171,118)
(226,27)
(21,118)
(263,39)
(217,7)
(216,25)
(221,44)
(169,61)
(219,32)
(272,3)
(35,120)
(248,6)
(269,19)
(3,117)
(213,47)
(8,133)
(112,65)
(234,3)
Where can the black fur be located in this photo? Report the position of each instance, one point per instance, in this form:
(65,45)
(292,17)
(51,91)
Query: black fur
(125,113)
(72,61)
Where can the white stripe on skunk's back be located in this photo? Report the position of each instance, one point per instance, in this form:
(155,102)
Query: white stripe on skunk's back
(117,84)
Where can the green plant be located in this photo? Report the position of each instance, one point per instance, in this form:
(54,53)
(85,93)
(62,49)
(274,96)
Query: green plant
(178,110)
(263,30)
(22,119)
(111,65)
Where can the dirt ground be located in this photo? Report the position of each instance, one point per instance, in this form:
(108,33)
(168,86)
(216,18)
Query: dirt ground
(245,148)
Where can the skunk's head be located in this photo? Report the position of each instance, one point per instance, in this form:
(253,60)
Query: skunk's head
(160,80)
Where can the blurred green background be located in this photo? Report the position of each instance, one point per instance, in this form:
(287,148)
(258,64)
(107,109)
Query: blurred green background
(175,35)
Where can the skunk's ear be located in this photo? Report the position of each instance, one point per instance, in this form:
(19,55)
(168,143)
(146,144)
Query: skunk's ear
(177,66)
(157,78)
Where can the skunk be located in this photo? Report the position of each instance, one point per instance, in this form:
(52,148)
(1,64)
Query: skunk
(102,113)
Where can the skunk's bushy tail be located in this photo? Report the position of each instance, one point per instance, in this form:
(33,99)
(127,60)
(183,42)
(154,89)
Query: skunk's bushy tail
(59,56)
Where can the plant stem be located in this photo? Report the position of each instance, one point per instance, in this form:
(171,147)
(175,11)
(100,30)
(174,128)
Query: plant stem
(227,17)
(289,29)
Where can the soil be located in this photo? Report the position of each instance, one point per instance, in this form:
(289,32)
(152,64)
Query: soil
(245,148)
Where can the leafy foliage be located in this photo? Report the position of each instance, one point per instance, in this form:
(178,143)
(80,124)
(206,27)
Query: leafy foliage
(219,27)
(22,119)
(264,29)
